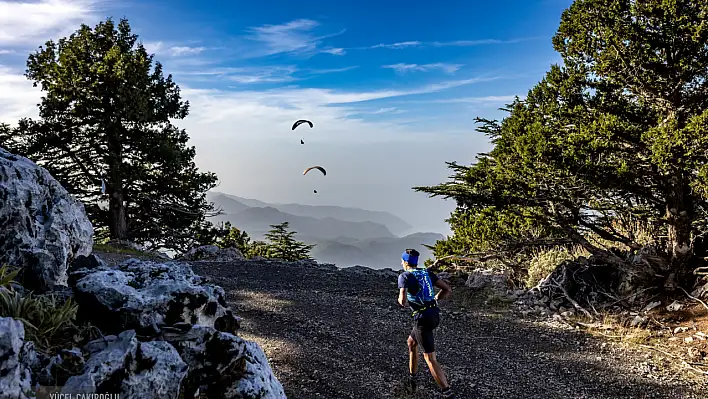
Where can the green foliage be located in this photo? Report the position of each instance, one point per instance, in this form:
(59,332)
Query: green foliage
(233,237)
(106,114)
(283,245)
(258,248)
(7,276)
(614,136)
(42,316)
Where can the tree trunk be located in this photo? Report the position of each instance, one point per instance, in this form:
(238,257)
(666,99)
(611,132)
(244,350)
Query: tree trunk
(118,226)
(679,209)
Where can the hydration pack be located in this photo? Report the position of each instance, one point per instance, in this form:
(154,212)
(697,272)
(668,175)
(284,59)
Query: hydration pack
(425,292)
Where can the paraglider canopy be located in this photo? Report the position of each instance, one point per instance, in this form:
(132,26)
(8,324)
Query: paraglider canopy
(302,141)
(300,122)
(315,191)
(321,169)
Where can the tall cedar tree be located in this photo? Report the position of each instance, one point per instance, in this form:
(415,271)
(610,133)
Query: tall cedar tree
(284,246)
(615,136)
(106,115)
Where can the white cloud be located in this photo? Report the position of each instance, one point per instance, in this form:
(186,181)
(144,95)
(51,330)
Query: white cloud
(154,47)
(161,48)
(332,70)
(292,37)
(397,45)
(178,51)
(335,51)
(17,96)
(402,68)
(469,43)
(26,23)
(6,52)
(458,43)
(476,100)
(246,75)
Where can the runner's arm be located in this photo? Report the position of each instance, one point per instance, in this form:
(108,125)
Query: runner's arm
(445,289)
(402,299)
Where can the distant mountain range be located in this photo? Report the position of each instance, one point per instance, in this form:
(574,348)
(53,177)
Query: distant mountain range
(343,236)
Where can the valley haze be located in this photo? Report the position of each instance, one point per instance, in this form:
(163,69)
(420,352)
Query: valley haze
(342,235)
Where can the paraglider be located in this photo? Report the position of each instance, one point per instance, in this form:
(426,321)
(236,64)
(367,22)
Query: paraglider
(315,191)
(321,169)
(300,122)
(302,141)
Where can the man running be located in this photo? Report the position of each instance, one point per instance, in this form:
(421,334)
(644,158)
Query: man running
(421,297)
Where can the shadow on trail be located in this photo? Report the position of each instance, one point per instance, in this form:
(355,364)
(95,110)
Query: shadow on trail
(341,336)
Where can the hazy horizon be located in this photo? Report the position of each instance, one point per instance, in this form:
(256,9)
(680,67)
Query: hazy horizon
(392,99)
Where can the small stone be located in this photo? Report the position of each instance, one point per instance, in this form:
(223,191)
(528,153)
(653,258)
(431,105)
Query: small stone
(638,320)
(680,330)
(688,340)
(674,306)
(651,306)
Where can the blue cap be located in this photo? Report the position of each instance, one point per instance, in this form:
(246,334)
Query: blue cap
(412,260)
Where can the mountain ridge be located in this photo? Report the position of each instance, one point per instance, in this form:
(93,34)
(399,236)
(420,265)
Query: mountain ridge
(357,241)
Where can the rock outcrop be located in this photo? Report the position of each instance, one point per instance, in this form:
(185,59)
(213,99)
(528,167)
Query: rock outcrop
(137,308)
(146,296)
(132,368)
(43,228)
(15,373)
(223,365)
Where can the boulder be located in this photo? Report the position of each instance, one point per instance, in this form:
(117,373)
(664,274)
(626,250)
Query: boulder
(44,228)
(60,367)
(488,279)
(145,296)
(15,372)
(224,366)
(131,368)
(213,253)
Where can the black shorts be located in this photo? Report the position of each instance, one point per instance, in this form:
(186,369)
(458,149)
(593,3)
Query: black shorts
(422,331)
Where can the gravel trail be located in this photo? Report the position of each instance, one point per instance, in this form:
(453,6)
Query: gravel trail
(338,334)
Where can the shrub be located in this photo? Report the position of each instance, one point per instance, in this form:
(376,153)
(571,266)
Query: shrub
(544,262)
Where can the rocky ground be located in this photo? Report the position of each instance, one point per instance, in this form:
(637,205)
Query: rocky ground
(334,334)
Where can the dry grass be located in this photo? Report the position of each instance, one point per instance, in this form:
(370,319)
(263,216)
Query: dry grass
(545,261)
(116,250)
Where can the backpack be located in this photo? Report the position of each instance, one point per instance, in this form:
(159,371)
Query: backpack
(425,292)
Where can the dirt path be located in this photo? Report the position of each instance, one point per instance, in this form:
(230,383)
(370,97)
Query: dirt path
(332,334)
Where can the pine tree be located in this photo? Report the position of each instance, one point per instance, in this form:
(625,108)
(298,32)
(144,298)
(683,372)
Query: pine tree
(613,137)
(284,246)
(105,117)
(234,238)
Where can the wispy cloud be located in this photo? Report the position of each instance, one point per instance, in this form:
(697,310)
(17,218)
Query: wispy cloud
(334,51)
(6,52)
(470,43)
(476,100)
(248,75)
(458,43)
(17,96)
(332,70)
(25,23)
(395,45)
(292,37)
(184,50)
(403,68)
(160,48)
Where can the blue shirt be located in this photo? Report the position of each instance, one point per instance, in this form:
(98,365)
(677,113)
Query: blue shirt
(420,290)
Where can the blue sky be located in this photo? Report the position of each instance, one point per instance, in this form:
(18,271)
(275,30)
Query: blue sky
(392,87)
